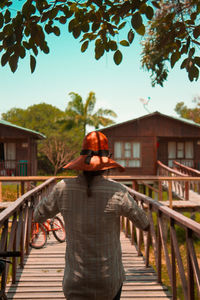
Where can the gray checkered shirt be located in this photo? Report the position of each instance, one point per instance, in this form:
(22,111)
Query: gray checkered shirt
(93,269)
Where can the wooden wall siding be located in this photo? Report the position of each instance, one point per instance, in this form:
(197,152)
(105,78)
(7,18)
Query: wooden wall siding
(154,126)
(12,132)
(153,132)
(29,153)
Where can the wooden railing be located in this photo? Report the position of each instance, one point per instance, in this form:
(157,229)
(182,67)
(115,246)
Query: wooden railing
(162,236)
(179,188)
(15,226)
(195,186)
(186,170)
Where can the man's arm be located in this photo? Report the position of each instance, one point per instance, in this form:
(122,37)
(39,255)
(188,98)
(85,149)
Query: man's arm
(47,207)
(136,214)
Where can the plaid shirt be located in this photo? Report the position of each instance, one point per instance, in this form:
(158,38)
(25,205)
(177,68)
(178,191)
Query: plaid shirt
(93,269)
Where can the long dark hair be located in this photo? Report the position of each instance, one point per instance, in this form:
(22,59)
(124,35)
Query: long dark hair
(89,175)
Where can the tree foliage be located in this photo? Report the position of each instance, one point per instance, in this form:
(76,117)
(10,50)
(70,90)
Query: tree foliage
(170,29)
(80,114)
(189,113)
(172,36)
(26,24)
(39,117)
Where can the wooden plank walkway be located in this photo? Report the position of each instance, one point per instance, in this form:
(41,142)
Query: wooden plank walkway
(42,275)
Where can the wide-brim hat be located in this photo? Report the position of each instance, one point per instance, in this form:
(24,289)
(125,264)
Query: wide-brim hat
(95,155)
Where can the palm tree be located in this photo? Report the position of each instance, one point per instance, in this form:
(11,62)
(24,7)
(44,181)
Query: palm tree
(82,114)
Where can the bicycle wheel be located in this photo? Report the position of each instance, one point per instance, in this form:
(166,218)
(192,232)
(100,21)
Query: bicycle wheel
(38,236)
(58,229)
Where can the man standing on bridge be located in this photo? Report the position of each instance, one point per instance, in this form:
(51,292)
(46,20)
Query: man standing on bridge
(91,206)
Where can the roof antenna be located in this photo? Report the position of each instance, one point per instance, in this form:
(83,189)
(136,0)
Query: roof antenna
(145,103)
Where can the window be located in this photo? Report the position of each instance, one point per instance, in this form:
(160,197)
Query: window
(10,154)
(128,154)
(182,152)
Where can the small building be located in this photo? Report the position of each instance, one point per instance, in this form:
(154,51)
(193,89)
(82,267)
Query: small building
(18,150)
(138,144)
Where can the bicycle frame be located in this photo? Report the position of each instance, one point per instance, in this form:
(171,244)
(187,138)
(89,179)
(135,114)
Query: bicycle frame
(47,226)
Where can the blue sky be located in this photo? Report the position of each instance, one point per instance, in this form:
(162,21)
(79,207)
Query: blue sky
(119,88)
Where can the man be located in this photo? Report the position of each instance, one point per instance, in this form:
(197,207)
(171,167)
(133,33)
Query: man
(91,206)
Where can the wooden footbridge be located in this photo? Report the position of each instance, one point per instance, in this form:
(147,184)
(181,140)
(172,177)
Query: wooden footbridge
(37,274)
(41,277)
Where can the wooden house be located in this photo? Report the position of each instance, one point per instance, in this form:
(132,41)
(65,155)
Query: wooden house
(138,144)
(18,150)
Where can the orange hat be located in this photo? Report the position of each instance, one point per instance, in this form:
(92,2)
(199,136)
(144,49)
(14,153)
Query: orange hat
(94,155)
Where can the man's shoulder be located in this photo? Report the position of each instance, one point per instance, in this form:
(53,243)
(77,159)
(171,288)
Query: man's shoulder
(115,185)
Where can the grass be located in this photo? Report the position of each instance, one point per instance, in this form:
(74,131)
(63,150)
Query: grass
(10,192)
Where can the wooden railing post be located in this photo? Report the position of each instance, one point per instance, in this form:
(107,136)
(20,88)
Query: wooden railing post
(186,190)
(160,197)
(170,194)
(159,248)
(173,263)
(1,197)
(190,277)
(22,188)
(135,185)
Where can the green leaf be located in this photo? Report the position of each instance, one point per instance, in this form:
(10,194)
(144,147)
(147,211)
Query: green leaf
(136,21)
(196,32)
(99,50)
(130,36)
(149,12)
(45,48)
(13,62)
(124,43)
(95,26)
(84,46)
(184,63)
(53,13)
(22,52)
(85,27)
(7,16)
(76,32)
(112,45)
(1,20)
(174,58)
(191,52)
(141,30)
(56,30)
(62,20)
(122,25)
(117,57)
(5,58)
(32,63)
(48,28)
(71,25)
(193,73)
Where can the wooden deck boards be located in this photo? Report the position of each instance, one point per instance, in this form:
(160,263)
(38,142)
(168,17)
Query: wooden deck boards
(42,275)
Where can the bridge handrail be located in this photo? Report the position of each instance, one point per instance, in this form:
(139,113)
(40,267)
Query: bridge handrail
(15,227)
(180,189)
(169,170)
(158,237)
(9,211)
(186,169)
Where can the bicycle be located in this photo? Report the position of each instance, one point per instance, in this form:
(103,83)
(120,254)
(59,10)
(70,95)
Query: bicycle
(40,231)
